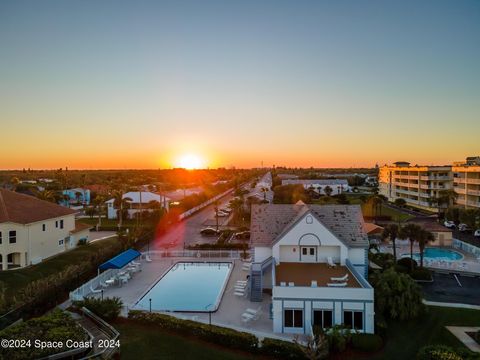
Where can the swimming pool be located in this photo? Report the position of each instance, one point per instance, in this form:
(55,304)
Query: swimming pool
(437,254)
(188,286)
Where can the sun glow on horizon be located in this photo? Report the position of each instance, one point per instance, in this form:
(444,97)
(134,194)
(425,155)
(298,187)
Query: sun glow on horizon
(190,162)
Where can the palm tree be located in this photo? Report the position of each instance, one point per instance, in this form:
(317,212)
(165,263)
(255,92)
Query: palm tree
(446,198)
(14,181)
(424,237)
(78,195)
(376,202)
(391,231)
(47,195)
(216,213)
(237,207)
(328,190)
(121,204)
(412,233)
(98,204)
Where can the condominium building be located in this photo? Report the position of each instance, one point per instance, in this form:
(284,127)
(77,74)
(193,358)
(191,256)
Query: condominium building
(417,185)
(466,182)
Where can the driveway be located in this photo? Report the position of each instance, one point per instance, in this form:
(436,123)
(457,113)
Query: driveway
(446,288)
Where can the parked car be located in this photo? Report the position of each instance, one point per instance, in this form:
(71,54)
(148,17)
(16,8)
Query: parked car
(226,210)
(477,233)
(209,232)
(463,227)
(450,224)
(221,214)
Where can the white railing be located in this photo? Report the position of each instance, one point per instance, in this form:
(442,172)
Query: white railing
(199,254)
(202,205)
(472,249)
(86,289)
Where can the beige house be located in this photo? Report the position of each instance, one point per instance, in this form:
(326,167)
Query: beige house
(32,230)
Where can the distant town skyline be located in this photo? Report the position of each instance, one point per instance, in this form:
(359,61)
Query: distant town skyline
(147,84)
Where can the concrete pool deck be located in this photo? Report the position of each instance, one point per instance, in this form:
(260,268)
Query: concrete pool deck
(229,313)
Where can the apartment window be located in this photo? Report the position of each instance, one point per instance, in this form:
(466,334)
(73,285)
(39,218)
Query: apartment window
(12,236)
(60,242)
(312,251)
(44,227)
(56,223)
(304,251)
(353,319)
(0,237)
(323,318)
(61,224)
(293,318)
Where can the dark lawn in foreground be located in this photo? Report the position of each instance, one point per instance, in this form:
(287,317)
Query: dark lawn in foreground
(148,342)
(17,279)
(406,338)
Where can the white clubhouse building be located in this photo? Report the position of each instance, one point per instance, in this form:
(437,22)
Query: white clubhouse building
(338,186)
(314,260)
(137,201)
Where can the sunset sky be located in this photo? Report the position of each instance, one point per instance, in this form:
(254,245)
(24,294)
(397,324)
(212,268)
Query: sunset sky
(144,84)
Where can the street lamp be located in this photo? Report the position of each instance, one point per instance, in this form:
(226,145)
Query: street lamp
(150,301)
(209,314)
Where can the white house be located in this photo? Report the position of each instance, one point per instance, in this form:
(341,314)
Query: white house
(338,186)
(32,230)
(139,201)
(292,246)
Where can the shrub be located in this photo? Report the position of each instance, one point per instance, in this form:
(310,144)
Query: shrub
(56,326)
(338,338)
(215,334)
(437,352)
(384,260)
(421,274)
(407,262)
(279,349)
(402,269)
(108,309)
(367,342)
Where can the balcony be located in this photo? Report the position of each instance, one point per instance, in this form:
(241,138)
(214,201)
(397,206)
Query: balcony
(467,181)
(434,177)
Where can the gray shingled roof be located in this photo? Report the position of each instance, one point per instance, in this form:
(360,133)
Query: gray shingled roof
(344,221)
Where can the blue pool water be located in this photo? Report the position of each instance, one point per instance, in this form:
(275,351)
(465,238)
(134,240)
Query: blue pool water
(188,286)
(438,254)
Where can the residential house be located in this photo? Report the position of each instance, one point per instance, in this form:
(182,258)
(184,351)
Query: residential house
(76,196)
(32,230)
(338,186)
(139,201)
(314,261)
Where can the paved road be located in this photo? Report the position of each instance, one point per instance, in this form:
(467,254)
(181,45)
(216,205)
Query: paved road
(187,232)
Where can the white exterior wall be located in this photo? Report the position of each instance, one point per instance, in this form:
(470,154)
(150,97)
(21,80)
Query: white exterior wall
(337,300)
(261,253)
(33,244)
(302,235)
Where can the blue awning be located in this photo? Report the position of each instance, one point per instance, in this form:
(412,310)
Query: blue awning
(120,260)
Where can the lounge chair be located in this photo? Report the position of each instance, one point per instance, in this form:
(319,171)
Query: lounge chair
(247,317)
(253,311)
(330,262)
(94,290)
(291,284)
(314,283)
(147,258)
(337,284)
(239,293)
(283,283)
(341,279)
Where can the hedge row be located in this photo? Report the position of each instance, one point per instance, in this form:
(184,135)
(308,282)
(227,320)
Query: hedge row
(216,334)
(367,342)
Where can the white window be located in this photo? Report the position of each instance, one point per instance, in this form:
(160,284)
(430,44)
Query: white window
(12,236)
(323,318)
(293,318)
(60,242)
(353,319)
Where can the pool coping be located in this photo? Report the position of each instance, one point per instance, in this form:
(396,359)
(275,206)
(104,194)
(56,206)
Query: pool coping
(157,280)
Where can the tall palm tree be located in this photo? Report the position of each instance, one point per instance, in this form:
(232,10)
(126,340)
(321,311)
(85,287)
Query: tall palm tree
(412,233)
(237,207)
(376,202)
(328,190)
(98,204)
(391,231)
(121,203)
(446,198)
(424,237)
(14,181)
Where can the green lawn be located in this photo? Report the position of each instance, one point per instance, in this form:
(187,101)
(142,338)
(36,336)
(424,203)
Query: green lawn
(148,342)
(17,279)
(406,338)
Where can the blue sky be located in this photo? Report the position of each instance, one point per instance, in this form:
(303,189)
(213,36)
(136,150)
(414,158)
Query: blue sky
(308,83)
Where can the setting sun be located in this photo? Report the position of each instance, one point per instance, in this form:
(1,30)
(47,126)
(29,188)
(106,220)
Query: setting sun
(190,161)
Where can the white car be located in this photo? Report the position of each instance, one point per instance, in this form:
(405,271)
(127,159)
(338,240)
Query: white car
(449,224)
(463,227)
(477,233)
(221,214)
